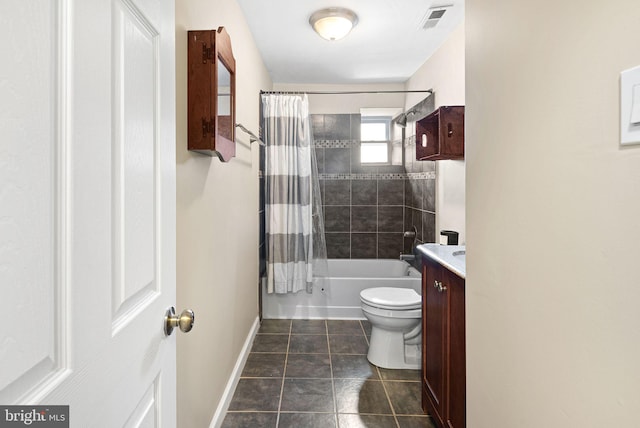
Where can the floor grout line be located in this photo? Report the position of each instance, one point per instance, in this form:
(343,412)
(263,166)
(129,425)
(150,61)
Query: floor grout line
(384,387)
(333,383)
(284,374)
(314,415)
(386,393)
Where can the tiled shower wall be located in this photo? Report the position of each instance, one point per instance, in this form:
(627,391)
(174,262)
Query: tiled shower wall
(366,208)
(420,194)
(363,206)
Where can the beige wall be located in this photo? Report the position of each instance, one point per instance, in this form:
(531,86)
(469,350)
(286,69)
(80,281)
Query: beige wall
(444,73)
(217,223)
(553,204)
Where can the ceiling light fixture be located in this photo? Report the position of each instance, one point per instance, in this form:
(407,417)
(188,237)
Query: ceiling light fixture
(333,23)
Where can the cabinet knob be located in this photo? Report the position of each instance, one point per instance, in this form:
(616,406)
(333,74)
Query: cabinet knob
(438,285)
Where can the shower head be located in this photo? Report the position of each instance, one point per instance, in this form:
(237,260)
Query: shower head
(417,112)
(401,120)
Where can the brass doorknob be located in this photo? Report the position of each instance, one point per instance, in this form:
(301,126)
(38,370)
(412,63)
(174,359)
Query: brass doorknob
(184,321)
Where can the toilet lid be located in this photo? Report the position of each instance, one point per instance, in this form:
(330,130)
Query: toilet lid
(391,298)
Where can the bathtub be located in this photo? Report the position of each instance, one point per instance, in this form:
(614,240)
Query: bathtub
(339,297)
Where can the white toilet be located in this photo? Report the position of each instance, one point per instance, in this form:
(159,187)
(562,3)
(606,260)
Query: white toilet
(396,320)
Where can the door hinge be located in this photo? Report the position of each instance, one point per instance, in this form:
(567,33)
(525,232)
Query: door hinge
(207,53)
(207,127)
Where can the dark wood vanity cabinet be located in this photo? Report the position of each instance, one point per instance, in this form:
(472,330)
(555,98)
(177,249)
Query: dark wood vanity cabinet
(443,345)
(441,134)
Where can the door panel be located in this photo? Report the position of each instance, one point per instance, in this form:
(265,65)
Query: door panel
(32,349)
(134,163)
(145,413)
(87,208)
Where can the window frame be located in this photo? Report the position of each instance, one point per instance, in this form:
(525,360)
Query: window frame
(386,120)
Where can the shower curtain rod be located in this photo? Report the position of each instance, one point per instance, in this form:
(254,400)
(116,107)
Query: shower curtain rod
(345,92)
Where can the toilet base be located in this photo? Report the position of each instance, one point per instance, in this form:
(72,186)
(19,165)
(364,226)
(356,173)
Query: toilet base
(385,350)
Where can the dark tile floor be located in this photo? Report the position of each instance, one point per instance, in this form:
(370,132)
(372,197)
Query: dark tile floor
(315,373)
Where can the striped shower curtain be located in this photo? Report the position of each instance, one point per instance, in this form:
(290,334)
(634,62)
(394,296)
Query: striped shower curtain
(289,193)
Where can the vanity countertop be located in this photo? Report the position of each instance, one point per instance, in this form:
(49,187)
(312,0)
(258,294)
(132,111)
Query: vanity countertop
(453,257)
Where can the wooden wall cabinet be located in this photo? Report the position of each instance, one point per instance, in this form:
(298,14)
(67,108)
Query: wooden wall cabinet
(211,94)
(441,134)
(443,342)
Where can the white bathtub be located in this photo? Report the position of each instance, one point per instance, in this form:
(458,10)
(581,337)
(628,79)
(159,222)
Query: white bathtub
(339,298)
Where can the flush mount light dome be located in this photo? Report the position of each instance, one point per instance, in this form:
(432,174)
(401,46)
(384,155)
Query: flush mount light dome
(333,23)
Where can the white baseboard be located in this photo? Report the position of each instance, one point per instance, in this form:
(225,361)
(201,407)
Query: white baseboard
(225,400)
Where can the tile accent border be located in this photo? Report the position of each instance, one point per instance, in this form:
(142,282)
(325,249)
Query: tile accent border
(421,175)
(380,176)
(410,141)
(335,144)
(342,144)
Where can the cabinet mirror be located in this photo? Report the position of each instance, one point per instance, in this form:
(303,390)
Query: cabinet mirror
(225,122)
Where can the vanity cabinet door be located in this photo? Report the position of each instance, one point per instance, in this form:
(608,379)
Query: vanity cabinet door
(434,318)
(443,351)
(456,412)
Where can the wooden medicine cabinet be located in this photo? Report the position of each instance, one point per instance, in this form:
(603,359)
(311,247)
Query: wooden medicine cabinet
(211,94)
(441,134)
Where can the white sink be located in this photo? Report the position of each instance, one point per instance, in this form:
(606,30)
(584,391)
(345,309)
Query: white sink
(452,257)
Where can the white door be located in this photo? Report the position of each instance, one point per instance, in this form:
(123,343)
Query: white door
(87,208)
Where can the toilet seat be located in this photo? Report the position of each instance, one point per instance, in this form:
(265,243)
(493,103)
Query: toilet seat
(391,298)
(391,313)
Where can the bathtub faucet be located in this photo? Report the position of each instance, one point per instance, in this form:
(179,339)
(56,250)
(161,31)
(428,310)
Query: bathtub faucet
(411,234)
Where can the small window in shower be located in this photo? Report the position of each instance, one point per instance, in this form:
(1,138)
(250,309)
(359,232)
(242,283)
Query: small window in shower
(375,136)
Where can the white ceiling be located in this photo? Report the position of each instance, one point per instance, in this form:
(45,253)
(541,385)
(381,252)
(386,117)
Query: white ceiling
(387,44)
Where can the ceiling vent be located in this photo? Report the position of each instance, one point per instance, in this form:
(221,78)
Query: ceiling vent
(433,16)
